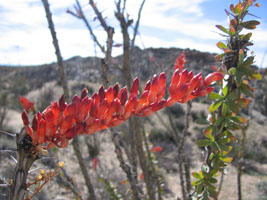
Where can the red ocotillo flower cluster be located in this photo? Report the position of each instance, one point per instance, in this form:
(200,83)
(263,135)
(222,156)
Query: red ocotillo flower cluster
(26,104)
(60,122)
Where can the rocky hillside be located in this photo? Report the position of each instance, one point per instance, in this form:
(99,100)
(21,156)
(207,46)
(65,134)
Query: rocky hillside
(41,85)
(21,80)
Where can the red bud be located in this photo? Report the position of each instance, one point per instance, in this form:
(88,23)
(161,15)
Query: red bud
(215,76)
(25,118)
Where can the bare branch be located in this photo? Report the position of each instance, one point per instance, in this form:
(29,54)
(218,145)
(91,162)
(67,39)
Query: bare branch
(163,123)
(99,15)
(7,133)
(33,170)
(89,27)
(7,151)
(4,185)
(110,32)
(56,45)
(73,14)
(14,159)
(137,23)
(126,168)
(88,182)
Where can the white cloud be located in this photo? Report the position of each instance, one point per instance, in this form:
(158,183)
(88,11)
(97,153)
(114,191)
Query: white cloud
(27,40)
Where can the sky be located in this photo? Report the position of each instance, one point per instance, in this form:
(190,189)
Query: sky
(26,40)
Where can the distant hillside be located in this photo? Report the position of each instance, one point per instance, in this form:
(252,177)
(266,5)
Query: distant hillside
(21,80)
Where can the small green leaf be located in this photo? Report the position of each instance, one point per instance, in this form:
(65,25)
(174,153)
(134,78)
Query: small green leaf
(219,57)
(238,8)
(241,57)
(208,133)
(226,159)
(247,36)
(224,140)
(214,96)
(222,29)
(199,188)
(202,121)
(250,24)
(210,186)
(247,62)
(221,45)
(225,110)
(246,71)
(232,8)
(246,91)
(232,106)
(232,96)
(238,77)
(194,183)
(197,175)
(206,195)
(257,76)
(212,180)
(225,90)
(213,107)
(232,71)
(238,119)
(203,142)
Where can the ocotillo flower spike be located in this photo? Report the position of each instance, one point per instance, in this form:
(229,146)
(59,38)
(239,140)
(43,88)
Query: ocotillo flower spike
(60,122)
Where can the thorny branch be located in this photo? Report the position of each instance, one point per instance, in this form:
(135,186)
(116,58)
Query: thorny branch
(127,169)
(137,23)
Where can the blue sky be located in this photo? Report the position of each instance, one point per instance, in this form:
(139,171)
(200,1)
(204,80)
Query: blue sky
(26,40)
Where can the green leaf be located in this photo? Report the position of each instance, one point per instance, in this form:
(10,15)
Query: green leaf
(214,96)
(199,188)
(213,107)
(250,24)
(247,36)
(246,91)
(232,106)
(197,175)
(232,71)
(212,180)
(222,29)
(220,56)
(238,77)
(225,110)
(209,186)
(224,140)
(241,57)
(246,71)
(194,183)
(238,119)
(202,121)
(257,76)
(238,8)
(225,90)
(206,195)
(223,147)
(226,159)
(208,133)
(232,96)
(247,62)
(221,45)
(203,142)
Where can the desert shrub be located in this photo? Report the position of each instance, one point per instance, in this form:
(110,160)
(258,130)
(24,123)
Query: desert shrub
(44,98)
(198,115)
(262,190)
(19,86)
(256,152)
(176,110)
(159,135)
